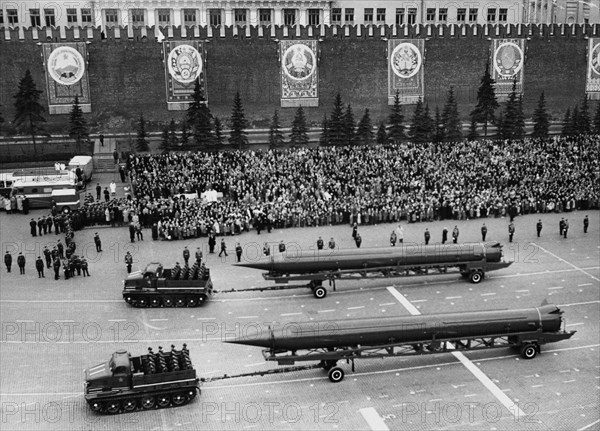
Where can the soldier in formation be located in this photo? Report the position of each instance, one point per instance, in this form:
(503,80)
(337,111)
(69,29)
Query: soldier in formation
(483,232)
(39,265)
(128,262)
(427,236)
(8,260)
(21,263)
(320,244)
(511,231)
(586,223)
(238,252)
(538,227)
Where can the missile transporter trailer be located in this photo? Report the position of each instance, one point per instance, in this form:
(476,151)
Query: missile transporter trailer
(168,287)
(127,383)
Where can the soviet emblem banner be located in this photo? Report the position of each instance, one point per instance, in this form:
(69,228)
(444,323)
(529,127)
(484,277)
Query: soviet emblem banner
(508,60)
(299,73)
(184,65)
(592,82)
(405,70)
(66,76)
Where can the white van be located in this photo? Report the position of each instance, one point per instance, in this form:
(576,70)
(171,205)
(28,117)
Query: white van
(66,199)
(85,163)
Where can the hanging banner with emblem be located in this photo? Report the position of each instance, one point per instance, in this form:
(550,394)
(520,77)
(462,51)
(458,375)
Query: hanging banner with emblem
(299,73)
(508,61)
(184,64)
(592,82)
(405,70)
(66,76)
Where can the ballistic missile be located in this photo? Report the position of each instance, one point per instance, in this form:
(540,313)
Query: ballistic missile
(299,261)
(542,323)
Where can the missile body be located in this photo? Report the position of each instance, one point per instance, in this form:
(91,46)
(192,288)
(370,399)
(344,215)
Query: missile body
(298,261)
(347,333)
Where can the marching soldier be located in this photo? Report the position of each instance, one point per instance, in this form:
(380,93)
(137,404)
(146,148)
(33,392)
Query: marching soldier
(8,260)
(21,263)
(320,244)
(56,265)
(212,242)
(186,255)
(198,255)
(32,225)
(566,227)
(358,240)
(39,265)
(427,236)
(84,267)
(538,227)
(98,242)
(128,262)
(483,232)
(393,239)
(266,249)
(223,247)
(238,252)
(176,273)
(586,223)
(131,232)
(455,234)
(48,257)
(444,235)
(281,246)
(511,231)
(561,226)
(354,230)
(331,244)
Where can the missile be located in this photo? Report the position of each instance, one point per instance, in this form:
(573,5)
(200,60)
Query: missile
(298,261)
(543,321)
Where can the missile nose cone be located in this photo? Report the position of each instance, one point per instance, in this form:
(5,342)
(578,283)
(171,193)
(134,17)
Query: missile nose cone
(254,265)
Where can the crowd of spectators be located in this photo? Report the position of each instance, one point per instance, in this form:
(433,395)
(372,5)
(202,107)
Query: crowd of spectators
(361,184)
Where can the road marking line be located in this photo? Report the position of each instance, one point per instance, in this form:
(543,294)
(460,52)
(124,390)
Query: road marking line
(569,381)
(247,317)
(290,314)
(524,274)
(485,380)
(158,320)
(392,303)
(356,308)
(64,321)
(588,426)
(372,418)
(205,318)
(585,284)
(579,303)
(325,311)
(575,324)
(557,287)
(536,386)
(522,290)
(453,297)
(488,294)
(568,263)
(419,300)
(116,320)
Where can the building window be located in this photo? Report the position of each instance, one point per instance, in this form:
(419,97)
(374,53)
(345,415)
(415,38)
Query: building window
(381,15)
(430,17)
(289,17)
(400,16)
(314,17)
(502,15)
(369,15)
(472,15)
(189,17)
(164,17)
(336,15)
(72,16)
(443,15)
(349,15)
(86,16)
(264,16)
(49,17)
(491,15)
(112,17)
(12,16)
(412,16)
(214,17)
(239,17)
(137,17)
(34,16)
(461,15)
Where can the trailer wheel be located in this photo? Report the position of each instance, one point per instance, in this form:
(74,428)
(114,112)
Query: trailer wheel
(202,299)
(163,401)
(336,375)
(129,405)
(191,302)
(167,302)
(179,302)
(476,276)
(320,292)
(191,394)
(154,303)
(113,407)
(142,303)
(528,351)
(179,399)
(148,402)
(96,406)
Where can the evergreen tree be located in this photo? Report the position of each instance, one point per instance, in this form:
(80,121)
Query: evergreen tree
(185,134)
(438,134)
(142,141)
(450,118)
(575,120)
(165,144)
(396,118)
(597,120)
(324,138)
(519,132)
(1,120)
(487,103)
(173,139)
(199,117)
(584,126)
(420,129)
(349,126)
(299,136)
(472,136)
(29,113)
(566,124)
(336,124)
(382,137)
(238,123)
(275,134)
(218,132)
(428,124)
(510,117)
(78,130)
(364,132)
(541,122)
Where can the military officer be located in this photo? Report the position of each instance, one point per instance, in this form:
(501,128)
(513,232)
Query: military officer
(8,260)
(39,265)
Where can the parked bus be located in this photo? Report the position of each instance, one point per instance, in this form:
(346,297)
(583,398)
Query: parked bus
(6,181)
(38,186)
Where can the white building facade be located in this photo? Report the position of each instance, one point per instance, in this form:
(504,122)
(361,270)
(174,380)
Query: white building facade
(140,13)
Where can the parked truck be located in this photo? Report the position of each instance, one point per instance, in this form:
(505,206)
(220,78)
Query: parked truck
(156,286)
(127,383)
